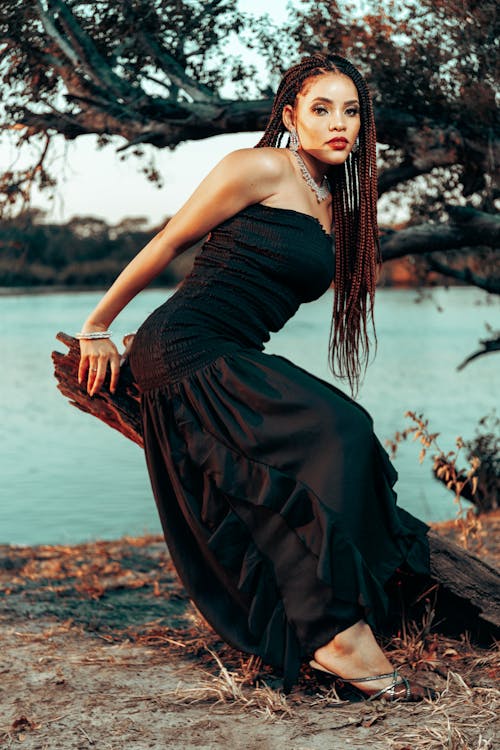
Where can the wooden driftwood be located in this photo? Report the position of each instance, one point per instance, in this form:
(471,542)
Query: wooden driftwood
(469,590)
(120,410)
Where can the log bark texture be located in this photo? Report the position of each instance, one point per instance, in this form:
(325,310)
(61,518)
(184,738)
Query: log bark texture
(469,590)
(120,410)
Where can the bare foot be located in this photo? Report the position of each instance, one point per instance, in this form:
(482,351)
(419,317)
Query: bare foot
(355,653)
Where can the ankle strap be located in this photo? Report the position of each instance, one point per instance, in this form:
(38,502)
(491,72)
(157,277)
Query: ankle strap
(391,689)
(394,675)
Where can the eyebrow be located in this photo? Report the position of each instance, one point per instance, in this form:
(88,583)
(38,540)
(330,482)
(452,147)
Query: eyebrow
(330,101)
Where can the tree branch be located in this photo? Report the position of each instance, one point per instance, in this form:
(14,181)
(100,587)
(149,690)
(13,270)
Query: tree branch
(167,126)
(469,227)
(490,285)
(174,70)
(485,224)
(90,79)
(424,143)
(393,176)
(427,144)
(489,345)
(53,33)
(83,52)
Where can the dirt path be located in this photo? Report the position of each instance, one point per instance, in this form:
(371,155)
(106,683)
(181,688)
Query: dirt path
(100,648)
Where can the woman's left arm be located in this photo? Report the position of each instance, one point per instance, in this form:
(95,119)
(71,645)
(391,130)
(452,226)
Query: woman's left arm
(242,177)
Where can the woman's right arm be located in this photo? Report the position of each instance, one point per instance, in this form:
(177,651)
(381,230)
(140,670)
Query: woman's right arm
(241,178)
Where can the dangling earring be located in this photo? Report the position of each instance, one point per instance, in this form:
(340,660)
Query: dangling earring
(293,143)
(355,146)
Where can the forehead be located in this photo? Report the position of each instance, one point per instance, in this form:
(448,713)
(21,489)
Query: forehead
(329,85)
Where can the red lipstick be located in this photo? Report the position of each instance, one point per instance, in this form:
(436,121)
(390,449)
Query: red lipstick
(338,143)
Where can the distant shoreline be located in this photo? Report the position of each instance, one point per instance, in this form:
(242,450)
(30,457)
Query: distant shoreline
(12,291)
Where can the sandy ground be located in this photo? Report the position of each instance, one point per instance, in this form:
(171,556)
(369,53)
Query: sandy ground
(101,648)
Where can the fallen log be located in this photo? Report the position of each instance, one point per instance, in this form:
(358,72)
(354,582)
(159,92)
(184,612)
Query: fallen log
(120,410)
(468,588)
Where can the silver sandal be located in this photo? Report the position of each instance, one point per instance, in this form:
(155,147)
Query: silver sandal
(387,693)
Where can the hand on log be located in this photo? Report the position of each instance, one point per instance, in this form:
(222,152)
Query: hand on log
(119,410)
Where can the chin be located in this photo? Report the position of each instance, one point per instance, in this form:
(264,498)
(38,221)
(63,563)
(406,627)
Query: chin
(332,158)
(338,158)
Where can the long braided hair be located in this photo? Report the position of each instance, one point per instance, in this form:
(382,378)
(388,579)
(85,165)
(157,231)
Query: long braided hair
(354,202)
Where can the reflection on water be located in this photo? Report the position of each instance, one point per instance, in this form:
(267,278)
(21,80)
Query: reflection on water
(66,477)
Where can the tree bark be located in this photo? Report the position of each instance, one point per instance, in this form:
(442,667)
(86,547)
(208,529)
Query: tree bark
(469,588)
(120,411)
(465,227)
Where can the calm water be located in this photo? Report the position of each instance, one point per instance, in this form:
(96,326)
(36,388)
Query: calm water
(66,477)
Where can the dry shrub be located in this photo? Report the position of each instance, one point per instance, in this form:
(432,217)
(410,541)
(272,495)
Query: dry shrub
(462,482)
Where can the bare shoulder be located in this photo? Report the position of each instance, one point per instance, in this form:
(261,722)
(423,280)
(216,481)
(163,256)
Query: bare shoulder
(270,161)
(241,178)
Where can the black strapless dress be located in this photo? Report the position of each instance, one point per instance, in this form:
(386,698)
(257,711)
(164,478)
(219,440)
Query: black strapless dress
(275,496)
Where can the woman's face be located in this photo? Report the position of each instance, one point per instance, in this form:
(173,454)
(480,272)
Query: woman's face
(326,116)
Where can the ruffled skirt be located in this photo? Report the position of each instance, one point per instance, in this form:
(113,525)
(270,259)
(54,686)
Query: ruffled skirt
(277,504)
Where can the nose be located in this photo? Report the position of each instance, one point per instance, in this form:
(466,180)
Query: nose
(337,121)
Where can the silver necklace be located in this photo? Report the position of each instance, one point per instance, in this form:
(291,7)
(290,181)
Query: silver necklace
(322,191)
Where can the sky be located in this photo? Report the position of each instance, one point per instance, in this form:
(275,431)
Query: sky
(97,183)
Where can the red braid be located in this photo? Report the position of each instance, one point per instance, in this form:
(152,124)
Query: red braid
(354,205)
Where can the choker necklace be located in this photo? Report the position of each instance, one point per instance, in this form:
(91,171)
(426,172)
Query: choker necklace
(322,191)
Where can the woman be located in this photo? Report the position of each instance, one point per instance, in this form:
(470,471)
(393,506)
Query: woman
(274,494)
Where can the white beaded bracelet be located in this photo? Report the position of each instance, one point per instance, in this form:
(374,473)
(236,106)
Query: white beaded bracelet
(93,335)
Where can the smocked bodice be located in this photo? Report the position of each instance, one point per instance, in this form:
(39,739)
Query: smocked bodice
(249,278)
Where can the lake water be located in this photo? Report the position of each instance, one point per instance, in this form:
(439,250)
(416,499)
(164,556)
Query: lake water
(66,477)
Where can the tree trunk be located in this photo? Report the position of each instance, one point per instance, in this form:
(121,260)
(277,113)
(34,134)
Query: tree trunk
(469,591)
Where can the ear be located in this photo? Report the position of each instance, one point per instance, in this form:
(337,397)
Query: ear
(288,116)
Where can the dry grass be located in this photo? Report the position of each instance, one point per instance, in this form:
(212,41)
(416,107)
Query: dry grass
(231,687)
(207,678)
(463,718)
(460,720)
